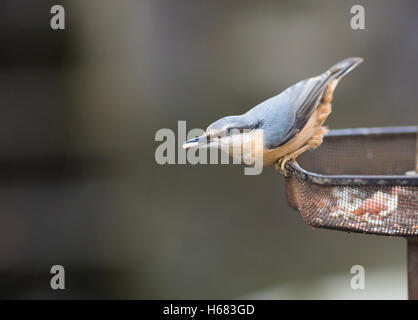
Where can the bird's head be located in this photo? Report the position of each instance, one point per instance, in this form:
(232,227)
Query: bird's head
(225,133)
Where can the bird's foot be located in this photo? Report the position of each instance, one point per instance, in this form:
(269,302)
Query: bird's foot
(280,165)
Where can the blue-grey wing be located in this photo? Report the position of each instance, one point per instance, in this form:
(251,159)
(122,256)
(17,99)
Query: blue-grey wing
(275,116)
(306,94)
(283,115)
(304,97)
(286,114)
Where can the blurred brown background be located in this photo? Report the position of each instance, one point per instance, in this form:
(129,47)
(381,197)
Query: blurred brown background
(79,185)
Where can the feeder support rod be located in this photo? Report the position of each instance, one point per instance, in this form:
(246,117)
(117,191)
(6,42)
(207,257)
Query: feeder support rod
(413,268)
(412,249)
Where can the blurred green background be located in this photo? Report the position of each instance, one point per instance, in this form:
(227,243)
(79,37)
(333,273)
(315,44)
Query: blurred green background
(79,185)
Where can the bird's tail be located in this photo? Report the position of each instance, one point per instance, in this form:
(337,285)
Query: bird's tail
(343,67)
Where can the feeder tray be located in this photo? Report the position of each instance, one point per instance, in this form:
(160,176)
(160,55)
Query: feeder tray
(361,180)
(356,181)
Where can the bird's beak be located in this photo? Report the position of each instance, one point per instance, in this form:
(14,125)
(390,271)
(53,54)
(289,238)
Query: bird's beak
(202,141)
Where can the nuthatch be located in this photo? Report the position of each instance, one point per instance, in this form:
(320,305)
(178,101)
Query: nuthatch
(290,122)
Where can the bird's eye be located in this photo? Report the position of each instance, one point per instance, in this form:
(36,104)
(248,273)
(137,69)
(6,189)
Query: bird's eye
(236,130)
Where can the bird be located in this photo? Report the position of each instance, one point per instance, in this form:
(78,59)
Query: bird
(290,123)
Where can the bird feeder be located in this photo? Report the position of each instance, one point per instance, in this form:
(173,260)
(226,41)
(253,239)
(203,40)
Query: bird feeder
(362,180)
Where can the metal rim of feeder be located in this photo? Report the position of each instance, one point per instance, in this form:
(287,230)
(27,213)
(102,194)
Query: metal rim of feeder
(357,180)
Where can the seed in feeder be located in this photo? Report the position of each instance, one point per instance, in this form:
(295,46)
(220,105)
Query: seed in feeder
(318,220)
(374,205)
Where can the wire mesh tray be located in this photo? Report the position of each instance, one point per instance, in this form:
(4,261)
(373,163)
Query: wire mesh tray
(356,181)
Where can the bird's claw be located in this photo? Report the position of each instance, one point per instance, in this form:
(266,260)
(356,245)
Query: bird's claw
(280,165)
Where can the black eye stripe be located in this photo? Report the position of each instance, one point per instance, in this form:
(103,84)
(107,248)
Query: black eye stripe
(250,127)
(240,130)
